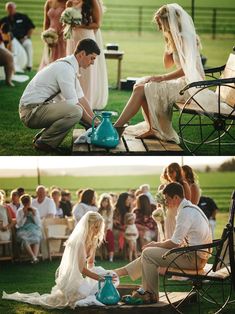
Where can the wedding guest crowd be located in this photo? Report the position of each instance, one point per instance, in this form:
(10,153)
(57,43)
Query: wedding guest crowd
(132,219)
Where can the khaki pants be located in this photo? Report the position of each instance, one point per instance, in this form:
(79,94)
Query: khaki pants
(146,266)
(56,117)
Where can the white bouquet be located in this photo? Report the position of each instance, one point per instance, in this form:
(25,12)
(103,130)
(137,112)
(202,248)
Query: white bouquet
(158,215)
(69,18)
(50,37)
(160,198)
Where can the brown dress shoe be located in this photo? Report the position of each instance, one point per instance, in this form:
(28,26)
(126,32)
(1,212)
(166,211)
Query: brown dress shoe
(44,147)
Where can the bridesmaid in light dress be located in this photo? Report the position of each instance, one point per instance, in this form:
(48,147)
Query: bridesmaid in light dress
(93,80)
(174,174)
(52,13)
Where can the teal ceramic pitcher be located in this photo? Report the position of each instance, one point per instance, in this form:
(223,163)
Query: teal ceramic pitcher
(105,135)
(107,293)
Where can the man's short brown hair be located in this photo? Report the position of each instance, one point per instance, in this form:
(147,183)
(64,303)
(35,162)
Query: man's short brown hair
(173,189)
(88,45)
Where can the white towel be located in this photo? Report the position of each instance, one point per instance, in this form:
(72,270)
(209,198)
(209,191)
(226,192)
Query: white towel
(84,138)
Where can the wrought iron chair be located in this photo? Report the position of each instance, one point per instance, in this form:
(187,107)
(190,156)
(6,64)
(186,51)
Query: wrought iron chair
(200,284)
(200,126)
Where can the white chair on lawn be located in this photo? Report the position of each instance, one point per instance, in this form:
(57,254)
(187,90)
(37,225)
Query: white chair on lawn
(56,232)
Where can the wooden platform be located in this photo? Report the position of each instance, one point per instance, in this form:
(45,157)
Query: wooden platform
(128,145)
(162,307)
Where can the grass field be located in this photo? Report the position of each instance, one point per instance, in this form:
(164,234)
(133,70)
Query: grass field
(27,278)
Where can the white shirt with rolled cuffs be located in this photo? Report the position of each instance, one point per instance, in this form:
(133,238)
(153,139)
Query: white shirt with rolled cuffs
(191,223)
(60,75)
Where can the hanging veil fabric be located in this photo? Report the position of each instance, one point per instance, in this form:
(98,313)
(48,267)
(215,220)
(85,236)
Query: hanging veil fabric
(185,39)
(70,286)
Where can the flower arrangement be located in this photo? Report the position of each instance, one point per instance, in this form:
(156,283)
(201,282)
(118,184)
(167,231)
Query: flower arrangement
(69,18)
(50,37)
(160,198)
(158,215)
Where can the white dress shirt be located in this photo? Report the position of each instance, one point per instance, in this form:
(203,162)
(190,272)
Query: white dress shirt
(57,76)
(46,207)
(191,223)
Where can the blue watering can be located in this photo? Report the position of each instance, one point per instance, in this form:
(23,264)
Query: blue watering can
(105,135)
(107,293)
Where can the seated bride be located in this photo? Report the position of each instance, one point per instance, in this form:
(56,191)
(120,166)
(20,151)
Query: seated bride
(157,94)
(77,277)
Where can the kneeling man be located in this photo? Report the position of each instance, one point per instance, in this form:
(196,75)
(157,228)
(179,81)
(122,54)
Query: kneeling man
(54,100)
(191,224)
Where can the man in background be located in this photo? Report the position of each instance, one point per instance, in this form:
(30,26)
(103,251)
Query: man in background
(210,209)
(21,27)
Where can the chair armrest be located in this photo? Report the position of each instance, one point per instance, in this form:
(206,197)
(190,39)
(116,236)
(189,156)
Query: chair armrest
(186,249)
(208,83)
(214,70)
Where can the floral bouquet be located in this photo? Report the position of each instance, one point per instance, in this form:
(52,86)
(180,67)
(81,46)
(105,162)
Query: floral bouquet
(158,216)
(69,18)
(50,37)
(161,200)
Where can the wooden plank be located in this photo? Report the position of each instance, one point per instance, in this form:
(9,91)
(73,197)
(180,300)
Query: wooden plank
(120,148)
(134,144)
(153,145)
(170,146)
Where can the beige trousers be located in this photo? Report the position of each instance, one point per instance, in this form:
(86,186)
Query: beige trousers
(56,117)
(146,266)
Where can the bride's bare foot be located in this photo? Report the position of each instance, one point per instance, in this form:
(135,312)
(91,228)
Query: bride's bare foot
(148,134)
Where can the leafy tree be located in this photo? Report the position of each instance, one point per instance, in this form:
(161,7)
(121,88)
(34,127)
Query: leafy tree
(227,165)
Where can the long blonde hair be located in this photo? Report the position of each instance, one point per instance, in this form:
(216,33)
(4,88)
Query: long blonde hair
(93,238)
(161,19)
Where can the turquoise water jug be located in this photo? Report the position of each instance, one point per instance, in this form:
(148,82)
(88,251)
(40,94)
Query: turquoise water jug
(105,135)
(107,293)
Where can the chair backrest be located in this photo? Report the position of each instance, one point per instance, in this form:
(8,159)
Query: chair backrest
(226,247)
(228,93)
(55,227)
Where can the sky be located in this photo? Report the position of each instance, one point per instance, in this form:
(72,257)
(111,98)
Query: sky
(102,161)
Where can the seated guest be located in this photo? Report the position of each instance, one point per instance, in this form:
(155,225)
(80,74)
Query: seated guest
(5,221)
(21,27)
(106,211)
(6,60)
(15,201)
(28,232)
(191,223)
(43,203)
(144,221)
(210,209)
(56,196)
(65,203)
(87,203)
(122,206)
